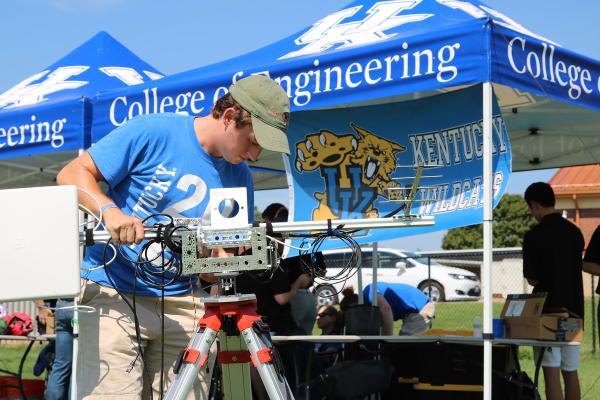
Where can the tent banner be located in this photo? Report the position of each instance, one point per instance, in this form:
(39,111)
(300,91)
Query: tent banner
(544,68)
(360,162)
(47,129)
(388,69)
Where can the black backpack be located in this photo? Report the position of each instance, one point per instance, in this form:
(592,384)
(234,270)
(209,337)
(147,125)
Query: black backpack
(519,386)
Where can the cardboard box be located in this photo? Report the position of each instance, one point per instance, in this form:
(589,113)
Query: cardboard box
(523,317)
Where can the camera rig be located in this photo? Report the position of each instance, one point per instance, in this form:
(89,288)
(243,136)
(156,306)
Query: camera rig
(195,238)
(263,254)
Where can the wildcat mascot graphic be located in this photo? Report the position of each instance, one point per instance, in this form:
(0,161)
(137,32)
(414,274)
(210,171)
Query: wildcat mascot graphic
(355,169)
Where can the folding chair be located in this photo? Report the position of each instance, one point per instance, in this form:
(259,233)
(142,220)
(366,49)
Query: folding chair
(362,320)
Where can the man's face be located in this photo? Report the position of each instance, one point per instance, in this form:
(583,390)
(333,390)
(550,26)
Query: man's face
(324,319)
(240,143)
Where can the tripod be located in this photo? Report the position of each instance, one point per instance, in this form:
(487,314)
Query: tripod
(236,313)
(231,312)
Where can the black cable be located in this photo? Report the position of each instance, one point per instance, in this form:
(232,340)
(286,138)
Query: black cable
(147,272)
(396,211)
(140,352)
(162,338)
(138,335)
(319,272)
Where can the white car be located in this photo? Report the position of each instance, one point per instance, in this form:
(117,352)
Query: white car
(442,283)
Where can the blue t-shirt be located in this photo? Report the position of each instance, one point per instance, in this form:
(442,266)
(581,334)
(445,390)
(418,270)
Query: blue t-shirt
(403,299)
(325,346)
(155,164)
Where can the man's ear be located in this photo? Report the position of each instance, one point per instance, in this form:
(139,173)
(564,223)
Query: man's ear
(228,115)
(535,209)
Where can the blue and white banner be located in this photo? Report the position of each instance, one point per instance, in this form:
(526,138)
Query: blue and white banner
(544,67)
(347,163)
(46,112)
(50,128)
(319,75)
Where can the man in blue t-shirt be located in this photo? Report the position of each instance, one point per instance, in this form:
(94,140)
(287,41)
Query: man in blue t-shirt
(159,164)
(399,301)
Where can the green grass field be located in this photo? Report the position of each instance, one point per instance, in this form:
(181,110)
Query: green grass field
(449,316)
(10,356)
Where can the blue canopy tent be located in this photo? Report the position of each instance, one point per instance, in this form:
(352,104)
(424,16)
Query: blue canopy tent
(381,52)
(46,118)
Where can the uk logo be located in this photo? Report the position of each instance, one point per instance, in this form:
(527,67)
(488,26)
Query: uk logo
(30,91)
(331,32)
(355,168)
(27,93)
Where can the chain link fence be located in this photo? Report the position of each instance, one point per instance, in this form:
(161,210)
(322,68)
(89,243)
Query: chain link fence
(450,278)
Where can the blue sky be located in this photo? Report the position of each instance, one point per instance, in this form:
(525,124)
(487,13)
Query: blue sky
(180,35)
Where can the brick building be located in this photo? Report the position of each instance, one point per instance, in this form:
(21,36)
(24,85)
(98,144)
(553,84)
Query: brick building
(577,191)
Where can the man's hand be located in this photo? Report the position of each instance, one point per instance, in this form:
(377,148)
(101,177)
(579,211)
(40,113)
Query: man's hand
(43,314)
(123,228)
(304,281)
(532,282)
(591,267)
(209,277)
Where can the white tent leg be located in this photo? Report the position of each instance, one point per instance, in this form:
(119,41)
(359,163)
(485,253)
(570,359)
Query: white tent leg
(75,359)
(375,272)
(486,275)
(359,283)
(73,383)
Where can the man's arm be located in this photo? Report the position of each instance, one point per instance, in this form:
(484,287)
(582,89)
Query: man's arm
(530,261)
(83,173)
(591,267)
(43,311)
(302,281)
(591,261)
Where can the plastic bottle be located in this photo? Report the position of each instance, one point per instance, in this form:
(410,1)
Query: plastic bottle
(477,326)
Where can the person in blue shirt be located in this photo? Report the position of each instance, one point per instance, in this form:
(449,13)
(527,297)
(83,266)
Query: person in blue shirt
(160,164)
(398,301)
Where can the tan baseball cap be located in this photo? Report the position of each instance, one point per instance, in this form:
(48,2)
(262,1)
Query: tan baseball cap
(269,106)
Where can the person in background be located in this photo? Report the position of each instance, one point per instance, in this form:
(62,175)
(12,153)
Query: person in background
(329,321)
(591,262)
(552,263)
(273,296)
(59,323)
(272,211)
(349,299)
(398,301)
(304,306)
(59,379)
(45,315)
